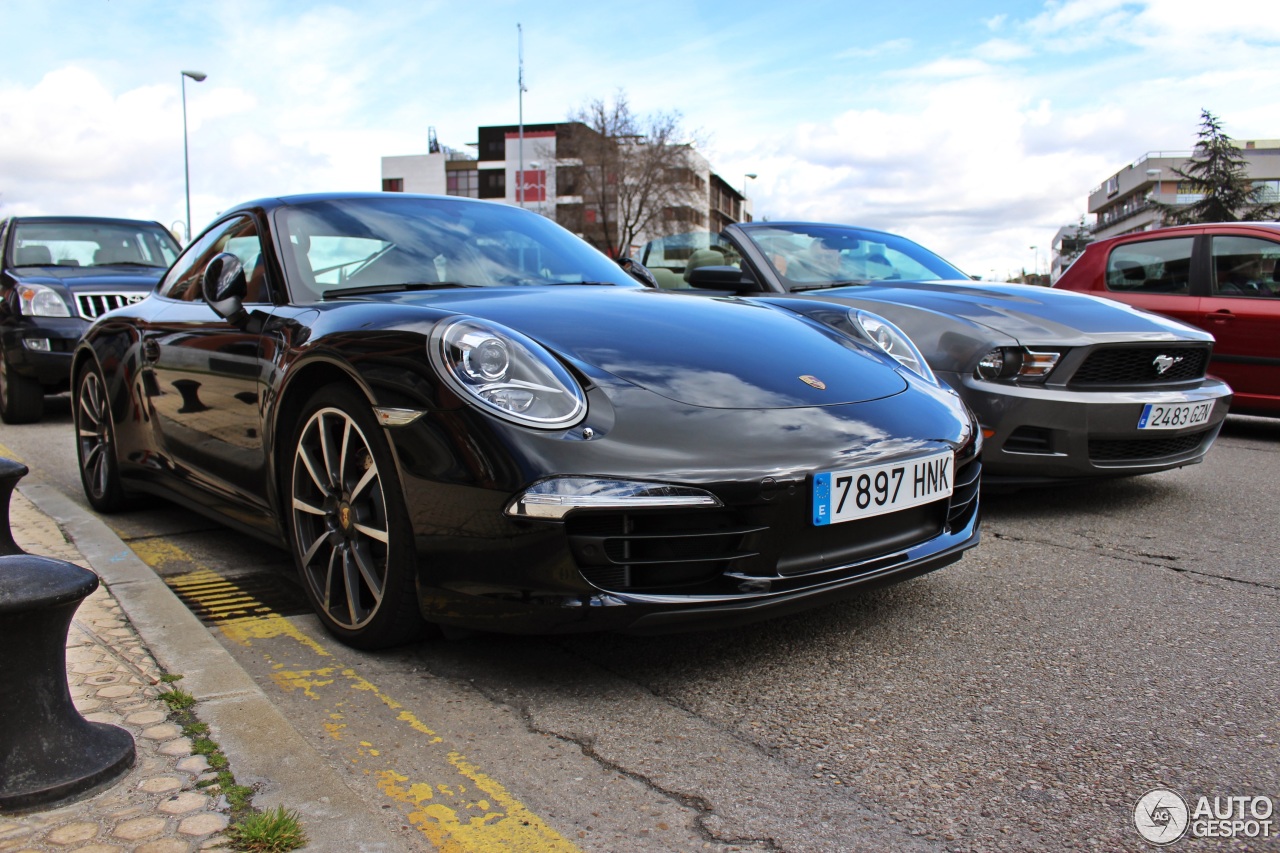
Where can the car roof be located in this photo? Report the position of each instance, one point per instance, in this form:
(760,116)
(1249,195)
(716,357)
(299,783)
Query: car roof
(86,220)
(273,202)
(1174,230)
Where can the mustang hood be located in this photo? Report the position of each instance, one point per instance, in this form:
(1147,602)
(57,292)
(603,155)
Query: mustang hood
(1031,315)
(712,352)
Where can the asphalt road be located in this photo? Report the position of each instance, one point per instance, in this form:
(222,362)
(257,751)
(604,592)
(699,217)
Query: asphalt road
(1103,641)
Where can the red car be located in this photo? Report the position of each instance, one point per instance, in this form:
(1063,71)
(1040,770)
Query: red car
(1222,277)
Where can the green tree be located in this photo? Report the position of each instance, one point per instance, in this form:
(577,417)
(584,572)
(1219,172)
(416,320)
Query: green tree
(1218,172)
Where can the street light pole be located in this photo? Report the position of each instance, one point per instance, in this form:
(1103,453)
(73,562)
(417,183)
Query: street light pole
(198,76)
(749,176)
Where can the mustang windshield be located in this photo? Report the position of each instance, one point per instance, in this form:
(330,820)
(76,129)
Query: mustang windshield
(810,257)
(372,243)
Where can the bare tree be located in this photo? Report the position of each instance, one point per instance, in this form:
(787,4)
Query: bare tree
(639,175)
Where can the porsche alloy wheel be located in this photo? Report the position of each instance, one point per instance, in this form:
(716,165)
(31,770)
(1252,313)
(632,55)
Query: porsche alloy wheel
(95,444)
(349,543)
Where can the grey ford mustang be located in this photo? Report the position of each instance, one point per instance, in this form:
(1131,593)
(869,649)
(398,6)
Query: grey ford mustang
(1066,387)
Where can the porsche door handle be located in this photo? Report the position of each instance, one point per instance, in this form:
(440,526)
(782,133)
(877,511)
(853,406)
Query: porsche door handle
(150,350)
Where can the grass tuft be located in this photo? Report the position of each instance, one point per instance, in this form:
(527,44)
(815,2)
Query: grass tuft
(273,831)
(178,699)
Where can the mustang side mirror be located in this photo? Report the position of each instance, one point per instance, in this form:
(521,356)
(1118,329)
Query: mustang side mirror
(721,278)
(224,287)
(638,271)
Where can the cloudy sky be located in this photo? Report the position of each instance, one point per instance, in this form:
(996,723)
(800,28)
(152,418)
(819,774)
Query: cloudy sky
(977,127)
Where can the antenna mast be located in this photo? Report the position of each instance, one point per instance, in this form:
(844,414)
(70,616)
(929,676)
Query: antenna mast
(520,80)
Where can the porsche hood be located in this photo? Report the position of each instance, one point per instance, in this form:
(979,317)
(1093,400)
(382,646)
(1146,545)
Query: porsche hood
(711,352)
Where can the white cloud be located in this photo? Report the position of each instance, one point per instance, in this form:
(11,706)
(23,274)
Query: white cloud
(978,136)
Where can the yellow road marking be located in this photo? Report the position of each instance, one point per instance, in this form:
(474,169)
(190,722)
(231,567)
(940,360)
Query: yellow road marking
(468,812)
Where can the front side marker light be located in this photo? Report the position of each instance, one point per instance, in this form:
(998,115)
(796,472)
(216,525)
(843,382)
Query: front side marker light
(1036,365)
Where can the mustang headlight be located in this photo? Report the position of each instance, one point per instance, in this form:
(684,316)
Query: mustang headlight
(506,373)
(36,300)
(893,341)
(1017,363)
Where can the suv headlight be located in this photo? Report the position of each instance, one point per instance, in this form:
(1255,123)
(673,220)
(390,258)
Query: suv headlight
(881,333)
(37,300)
(508,374)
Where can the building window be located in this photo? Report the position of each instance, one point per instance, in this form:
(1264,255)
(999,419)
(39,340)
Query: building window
(493,183)
(393,185)
(463,182)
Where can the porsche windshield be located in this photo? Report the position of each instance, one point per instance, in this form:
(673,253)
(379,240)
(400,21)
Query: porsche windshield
(810,257)
(369,243)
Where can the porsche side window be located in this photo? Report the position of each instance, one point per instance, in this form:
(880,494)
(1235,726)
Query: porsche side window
(238,236)
(1155,266)
(1245,266)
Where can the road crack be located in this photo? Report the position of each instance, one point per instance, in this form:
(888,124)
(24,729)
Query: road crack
(1164,561)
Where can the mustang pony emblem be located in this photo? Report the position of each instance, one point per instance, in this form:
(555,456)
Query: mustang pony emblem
(1164,362)
(814,381)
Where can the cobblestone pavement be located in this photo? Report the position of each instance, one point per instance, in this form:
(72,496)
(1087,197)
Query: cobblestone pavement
(155,807)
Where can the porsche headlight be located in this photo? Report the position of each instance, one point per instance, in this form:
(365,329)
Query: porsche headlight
(508,374)
(893,341)
(36,300)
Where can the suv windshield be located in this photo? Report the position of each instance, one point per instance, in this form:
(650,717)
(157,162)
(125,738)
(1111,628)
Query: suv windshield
(88,243)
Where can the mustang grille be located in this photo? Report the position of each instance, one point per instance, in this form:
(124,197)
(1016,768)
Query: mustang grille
(93,305)
(1140,365)
(1127,449)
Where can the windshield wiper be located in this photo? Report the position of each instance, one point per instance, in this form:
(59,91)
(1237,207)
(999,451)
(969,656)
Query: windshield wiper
(801,287)
(131,264)
(398,287)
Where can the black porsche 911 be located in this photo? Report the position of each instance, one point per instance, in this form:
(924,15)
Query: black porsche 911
(457,412)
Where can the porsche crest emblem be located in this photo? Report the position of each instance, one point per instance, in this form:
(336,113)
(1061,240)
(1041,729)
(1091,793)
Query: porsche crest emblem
(814,381)
(344,517)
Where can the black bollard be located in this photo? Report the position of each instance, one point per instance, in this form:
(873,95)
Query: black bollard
(10,473)
(48,752)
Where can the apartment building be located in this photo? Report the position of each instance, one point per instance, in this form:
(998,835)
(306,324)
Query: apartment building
(1123,202)
(541,167)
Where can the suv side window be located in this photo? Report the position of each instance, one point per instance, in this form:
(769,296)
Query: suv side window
(238,236)
(1154,266)
(1245,266)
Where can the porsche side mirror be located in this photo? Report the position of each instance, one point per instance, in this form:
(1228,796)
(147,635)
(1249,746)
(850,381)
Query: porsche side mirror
(224,287)
(721,278)
(638,271)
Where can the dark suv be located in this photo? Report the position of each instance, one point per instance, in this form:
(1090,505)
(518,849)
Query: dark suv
(58,273)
